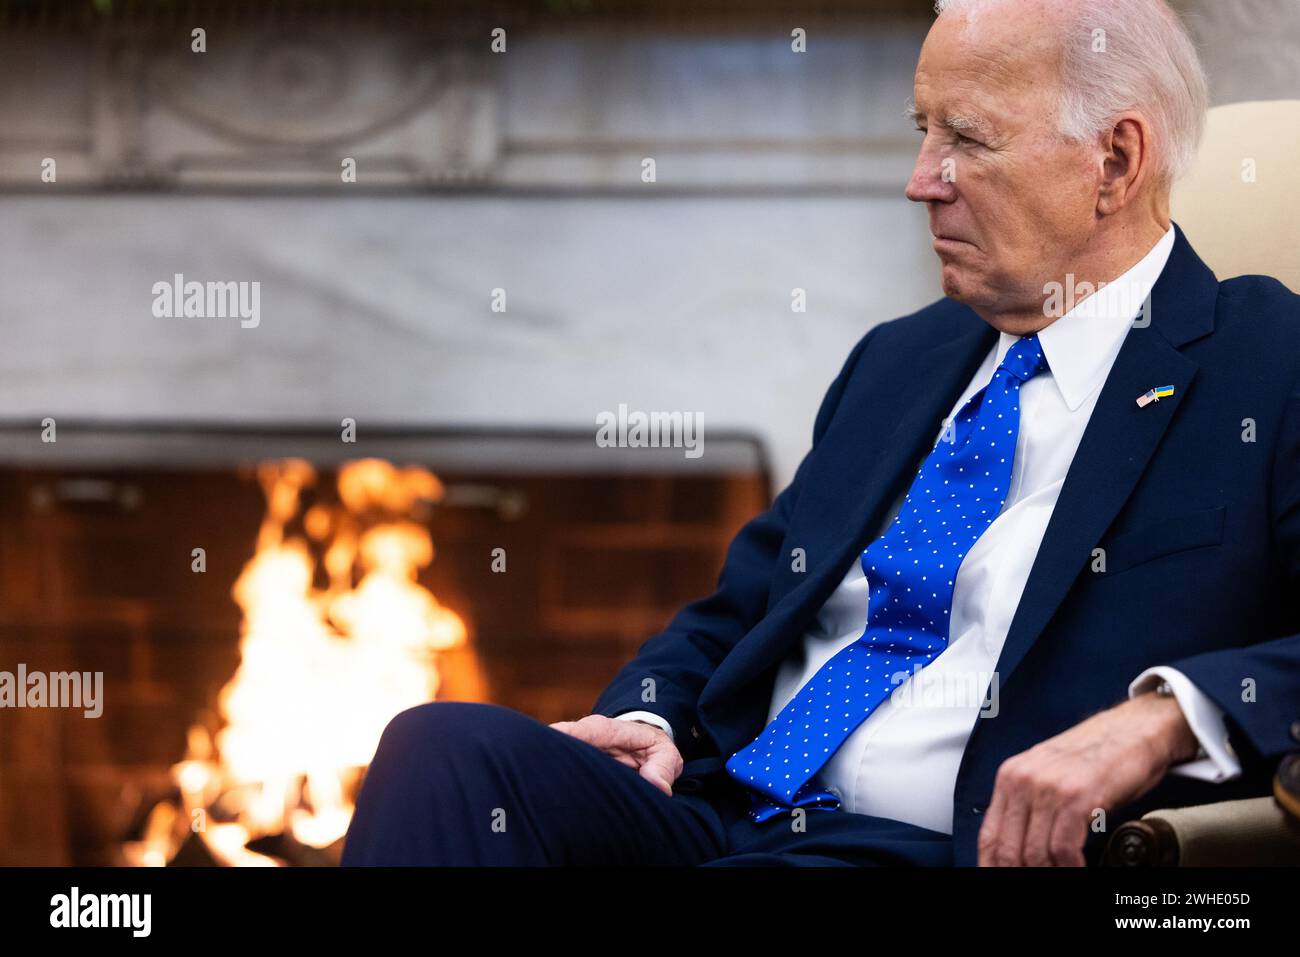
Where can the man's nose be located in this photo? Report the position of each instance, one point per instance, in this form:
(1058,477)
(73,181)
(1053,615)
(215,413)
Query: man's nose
(928,182)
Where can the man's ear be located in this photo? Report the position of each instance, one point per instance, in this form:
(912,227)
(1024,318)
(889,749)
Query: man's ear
(1126,162)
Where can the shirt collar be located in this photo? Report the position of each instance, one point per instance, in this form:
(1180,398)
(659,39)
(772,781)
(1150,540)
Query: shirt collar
(1081,346)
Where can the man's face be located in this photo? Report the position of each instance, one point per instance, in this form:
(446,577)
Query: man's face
(1010,201)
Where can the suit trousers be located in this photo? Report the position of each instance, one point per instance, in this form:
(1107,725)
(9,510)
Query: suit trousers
(457,783)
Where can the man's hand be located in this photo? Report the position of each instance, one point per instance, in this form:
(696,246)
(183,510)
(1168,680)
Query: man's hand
(638,745)
(1044,799)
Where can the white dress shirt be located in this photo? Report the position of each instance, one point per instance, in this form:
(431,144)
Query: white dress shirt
(902,761)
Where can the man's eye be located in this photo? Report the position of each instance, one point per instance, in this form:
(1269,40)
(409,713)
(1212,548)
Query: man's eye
(964,140)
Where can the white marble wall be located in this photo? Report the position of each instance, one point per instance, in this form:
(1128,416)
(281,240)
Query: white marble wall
(379,307)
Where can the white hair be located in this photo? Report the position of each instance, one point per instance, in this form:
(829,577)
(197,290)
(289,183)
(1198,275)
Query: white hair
(1150,65)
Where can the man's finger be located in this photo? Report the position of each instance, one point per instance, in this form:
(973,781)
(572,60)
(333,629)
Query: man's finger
(603,734)
(657,773)
(1065,844)
(991,830)
(616,741)
(1009,851)
(1036,850)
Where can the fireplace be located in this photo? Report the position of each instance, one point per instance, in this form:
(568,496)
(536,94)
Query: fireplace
(538,562)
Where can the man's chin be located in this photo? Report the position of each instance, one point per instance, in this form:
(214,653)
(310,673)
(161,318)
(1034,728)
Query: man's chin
(960,286)
(956,284)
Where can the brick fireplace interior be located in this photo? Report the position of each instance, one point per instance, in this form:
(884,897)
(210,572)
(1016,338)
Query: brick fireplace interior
(96,538)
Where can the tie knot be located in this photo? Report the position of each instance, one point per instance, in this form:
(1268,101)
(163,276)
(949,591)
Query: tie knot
(1025,359)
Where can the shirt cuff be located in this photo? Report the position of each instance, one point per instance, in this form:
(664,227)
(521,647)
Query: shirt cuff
(1216,761)
(647,718)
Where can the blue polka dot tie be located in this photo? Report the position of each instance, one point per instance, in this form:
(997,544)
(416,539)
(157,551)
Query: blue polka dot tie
(957,493)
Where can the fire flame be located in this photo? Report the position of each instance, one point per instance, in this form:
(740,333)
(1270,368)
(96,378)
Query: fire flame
(323,667)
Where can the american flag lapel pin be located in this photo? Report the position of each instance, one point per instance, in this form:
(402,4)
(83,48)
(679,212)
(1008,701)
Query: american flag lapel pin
(1155,395)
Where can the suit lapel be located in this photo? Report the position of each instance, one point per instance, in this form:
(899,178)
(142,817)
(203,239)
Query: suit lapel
(1112,455)
(1118,442)
(857,479)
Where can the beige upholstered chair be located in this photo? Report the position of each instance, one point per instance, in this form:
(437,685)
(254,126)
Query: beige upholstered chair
(1240,209)
(1239,205)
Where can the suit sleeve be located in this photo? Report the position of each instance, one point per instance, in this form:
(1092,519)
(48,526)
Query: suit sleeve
(670,670)
(1258,687)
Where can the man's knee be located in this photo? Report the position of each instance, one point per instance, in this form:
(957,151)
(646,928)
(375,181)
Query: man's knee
(450,727)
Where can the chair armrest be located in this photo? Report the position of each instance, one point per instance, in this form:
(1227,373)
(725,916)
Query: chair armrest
(1251,832)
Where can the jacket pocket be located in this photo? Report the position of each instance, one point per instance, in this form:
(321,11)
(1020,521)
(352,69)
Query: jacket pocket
(1166,536)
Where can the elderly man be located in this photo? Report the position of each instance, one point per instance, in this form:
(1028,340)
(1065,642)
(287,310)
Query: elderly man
(1072,485)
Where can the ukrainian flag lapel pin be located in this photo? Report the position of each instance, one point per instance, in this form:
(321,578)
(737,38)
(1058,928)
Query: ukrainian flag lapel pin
(1155,395)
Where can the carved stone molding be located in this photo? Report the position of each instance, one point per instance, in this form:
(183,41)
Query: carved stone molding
(264,105)
(281,103)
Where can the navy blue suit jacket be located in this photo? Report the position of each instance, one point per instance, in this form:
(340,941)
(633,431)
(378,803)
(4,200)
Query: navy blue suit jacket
(1196,500)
